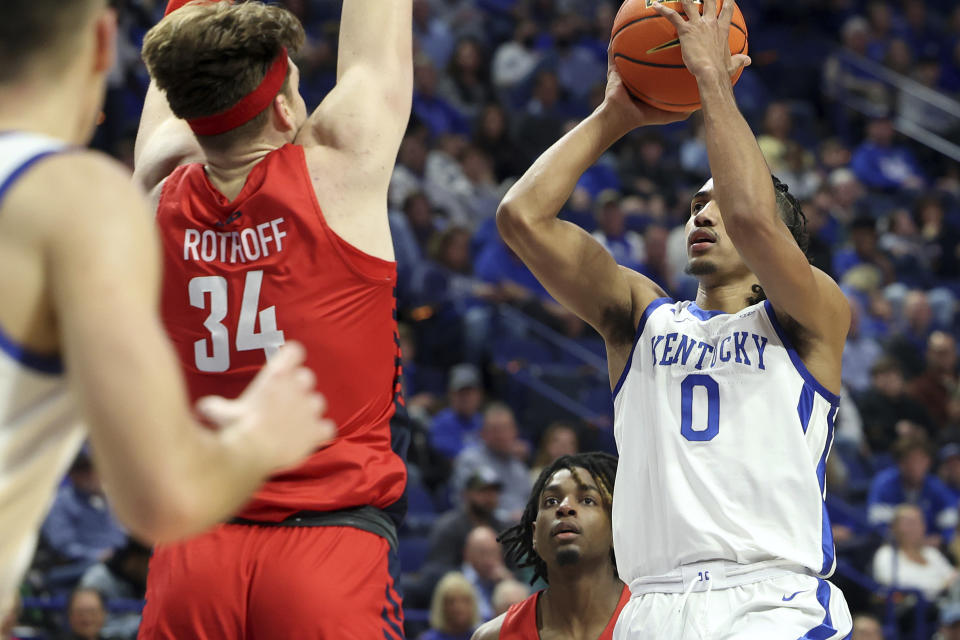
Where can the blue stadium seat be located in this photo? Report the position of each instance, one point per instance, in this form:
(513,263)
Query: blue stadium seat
(413,553)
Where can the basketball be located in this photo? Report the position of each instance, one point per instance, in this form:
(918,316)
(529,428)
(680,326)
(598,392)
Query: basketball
(646,52)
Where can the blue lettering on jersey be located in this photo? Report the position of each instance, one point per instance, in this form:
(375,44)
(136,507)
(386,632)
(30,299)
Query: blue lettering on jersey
(677,348)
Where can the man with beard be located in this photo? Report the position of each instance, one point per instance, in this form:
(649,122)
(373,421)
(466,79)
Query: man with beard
(566,537)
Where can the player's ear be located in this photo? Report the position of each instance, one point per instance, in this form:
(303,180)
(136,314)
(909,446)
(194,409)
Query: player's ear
(283,113)
(105,34)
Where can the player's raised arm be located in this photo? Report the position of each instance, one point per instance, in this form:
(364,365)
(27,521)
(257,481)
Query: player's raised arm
(164,141)
(576,269)
(366,113)
(742,186)
(167,476)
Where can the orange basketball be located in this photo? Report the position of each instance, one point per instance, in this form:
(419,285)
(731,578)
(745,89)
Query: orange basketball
(646,52)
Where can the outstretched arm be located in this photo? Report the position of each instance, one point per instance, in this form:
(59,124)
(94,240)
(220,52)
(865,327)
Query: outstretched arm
(576,269)
(366,113)
(743,187)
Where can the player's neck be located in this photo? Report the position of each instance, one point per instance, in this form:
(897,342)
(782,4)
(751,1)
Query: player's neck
(729,296)
(49,109)
(228,170)
(580,597)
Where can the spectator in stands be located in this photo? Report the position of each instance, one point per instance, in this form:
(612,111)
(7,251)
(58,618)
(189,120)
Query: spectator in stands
(903,244)
(934,387)
(775,139)
(122,577)
(80,526)
(466,84)
(866,627)
(949,471)
(887,411)
(644,166)
(453,609)
(431,108)
(86,615)
(911,482)
(431,33)
(508,593)
(493,136)
(941,238)
(949,623)
(483,567)
(478,504)
(558,439)
(409,173)
(880,164)
(910,562)
(909,340)
(459,424)
(860,351)
(864,249)
(515,60)
(502,450)
(626,246)
(543,122)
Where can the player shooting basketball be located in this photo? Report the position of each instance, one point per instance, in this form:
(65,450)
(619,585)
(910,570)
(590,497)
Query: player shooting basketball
(565,536)
(79,331)
(724,406)
(274,226)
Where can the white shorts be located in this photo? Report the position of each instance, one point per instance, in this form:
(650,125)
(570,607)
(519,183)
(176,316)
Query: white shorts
(789,606)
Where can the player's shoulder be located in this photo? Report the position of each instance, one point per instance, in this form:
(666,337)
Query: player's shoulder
(489,630)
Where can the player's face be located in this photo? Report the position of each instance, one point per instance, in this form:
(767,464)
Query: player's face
(573,523)
(709,250)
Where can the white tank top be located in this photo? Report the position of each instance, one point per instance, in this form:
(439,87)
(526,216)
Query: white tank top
(723,437)
(40,433)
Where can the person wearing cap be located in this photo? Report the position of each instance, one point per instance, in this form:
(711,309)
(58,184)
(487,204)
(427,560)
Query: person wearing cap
(479,500)
(458,425)
(503,451)
(911,482)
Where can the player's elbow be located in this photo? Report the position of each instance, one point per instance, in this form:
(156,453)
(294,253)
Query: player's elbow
(512,223)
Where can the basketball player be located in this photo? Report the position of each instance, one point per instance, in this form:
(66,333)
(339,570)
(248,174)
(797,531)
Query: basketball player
(724,406)
(565,536)
(79,331)
(274,226)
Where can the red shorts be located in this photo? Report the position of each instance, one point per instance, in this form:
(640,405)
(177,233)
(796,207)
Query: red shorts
(264,583)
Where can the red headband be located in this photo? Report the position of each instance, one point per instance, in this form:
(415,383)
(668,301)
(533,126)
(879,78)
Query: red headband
(249,106)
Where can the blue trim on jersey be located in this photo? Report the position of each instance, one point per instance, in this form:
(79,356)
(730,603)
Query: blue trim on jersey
(703,314)
(805,406)
(826,538)
(19,171)
(795,357)
(41,363)
(825,629)
(653,306)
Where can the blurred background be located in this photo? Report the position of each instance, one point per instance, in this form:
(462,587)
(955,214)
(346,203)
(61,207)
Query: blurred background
(855,106)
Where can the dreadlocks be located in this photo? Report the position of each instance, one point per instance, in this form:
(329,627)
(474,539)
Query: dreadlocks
(792,215)
(517,541)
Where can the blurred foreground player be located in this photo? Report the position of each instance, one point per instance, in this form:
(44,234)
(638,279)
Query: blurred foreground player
(724,407)
(565,535)
(274,224)
(80,288)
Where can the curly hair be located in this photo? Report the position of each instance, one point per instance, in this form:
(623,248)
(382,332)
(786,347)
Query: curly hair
(517,541)
(792,215)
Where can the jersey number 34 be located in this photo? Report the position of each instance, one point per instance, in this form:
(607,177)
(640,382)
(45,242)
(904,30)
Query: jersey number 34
(215,356)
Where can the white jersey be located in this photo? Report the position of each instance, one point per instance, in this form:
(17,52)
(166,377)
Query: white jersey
(39,430)
(723,437)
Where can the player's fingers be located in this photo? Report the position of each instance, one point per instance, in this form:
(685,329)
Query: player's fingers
(216,409)
(726,13)
(739,61)
(675,18)
(321,403)
(327,433)
(691,9)
(306,378)
(710,9)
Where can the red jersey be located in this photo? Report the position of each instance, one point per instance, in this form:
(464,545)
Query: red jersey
(243,277)
(520,622)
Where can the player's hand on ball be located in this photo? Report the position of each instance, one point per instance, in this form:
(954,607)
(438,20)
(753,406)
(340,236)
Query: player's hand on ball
(278,420)
(704,39)
(633,113)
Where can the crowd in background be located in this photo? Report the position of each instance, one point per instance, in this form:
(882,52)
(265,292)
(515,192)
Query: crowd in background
(498,81)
